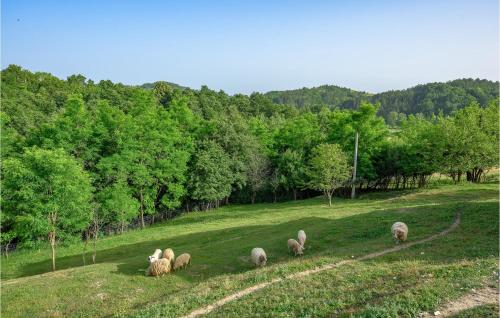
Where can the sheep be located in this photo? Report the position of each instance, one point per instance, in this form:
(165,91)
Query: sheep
(156,255)
(169,254)
(259,257)
(302,238)
(159,267)
(399,232)
(182,261)
(295,247)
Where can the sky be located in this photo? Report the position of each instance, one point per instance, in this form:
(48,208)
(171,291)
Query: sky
(242,46)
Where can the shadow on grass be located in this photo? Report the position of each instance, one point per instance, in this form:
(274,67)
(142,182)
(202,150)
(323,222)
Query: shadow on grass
(238,211)
(227,251)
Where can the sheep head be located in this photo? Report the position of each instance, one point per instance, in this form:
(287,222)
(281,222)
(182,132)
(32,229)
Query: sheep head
(262,260)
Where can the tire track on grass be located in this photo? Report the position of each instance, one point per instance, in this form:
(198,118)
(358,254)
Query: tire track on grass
(252,289)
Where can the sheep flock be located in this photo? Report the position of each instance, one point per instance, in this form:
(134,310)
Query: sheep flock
(163,263)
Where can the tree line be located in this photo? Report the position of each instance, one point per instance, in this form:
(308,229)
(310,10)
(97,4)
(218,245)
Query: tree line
(427,100)
(81,159)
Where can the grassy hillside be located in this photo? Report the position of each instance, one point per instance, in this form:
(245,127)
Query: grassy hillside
(404,283)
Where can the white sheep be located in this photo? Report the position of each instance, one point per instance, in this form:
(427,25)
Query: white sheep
(159,267)
(156,256)
(169,254)
(259,257)
(182,261)
(399,232)
(302,238)
(295,247)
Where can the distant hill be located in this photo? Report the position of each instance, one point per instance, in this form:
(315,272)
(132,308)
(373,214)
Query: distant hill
(427,99)
(152,85)
(329,95)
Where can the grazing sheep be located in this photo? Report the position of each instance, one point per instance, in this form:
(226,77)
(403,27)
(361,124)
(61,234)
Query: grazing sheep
(295,247)
(302,238)
(169,254)
(159,267)
(399,232)
(156,256)
(258,256)
(182,261)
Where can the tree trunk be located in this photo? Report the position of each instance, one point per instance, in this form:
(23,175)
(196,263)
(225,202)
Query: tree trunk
(7,249)
(275,199)
(52,239)
(329,199)
(142,209)
(95,246)
(122,227)
(85,247)
(253,197)
(295,194)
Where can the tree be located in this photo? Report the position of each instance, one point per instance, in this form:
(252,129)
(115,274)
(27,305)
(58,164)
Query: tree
(474,142)
(257,172)
(275,182)
(328,169)
(293,171)
(48,194)
(152,156)
(211,174)
(70,130)
(118,205)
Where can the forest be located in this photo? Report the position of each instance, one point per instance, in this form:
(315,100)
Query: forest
(82,159)
(427,100)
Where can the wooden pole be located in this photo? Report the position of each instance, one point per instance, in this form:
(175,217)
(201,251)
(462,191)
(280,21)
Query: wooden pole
(353,191)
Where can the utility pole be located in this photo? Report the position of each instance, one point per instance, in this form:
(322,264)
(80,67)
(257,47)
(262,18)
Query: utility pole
(353,191)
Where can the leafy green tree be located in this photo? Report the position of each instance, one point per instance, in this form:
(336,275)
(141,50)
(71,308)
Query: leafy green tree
(328,169)
(292,167)
(152,157)
(341,127)
(118,205)
(48,195)
(211,176)
(72,131)
(474,143)
(257,172)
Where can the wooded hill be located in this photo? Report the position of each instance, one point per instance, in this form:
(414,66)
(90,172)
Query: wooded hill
(427,99)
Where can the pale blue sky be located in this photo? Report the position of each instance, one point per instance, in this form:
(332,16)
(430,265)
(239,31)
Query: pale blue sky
(245,46)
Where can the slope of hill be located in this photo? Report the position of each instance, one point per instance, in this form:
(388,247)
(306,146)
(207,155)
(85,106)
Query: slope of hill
(404,283)
(330,95)
(428,99)
(152,85)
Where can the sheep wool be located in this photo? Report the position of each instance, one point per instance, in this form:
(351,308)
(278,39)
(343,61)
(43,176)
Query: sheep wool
(159,267)
(182,261)
(156,255)
(295,247)
(169,254)
(399,232)
(258,256)
(302,238)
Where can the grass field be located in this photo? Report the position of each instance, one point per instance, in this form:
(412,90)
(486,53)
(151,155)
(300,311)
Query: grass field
(405,283)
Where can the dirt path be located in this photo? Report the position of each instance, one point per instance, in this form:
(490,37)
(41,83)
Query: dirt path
(487,295)
(209,308)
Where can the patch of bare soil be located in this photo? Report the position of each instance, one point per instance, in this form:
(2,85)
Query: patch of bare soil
(484,296)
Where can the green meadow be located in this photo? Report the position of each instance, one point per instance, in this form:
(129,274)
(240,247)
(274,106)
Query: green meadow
(405,283)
